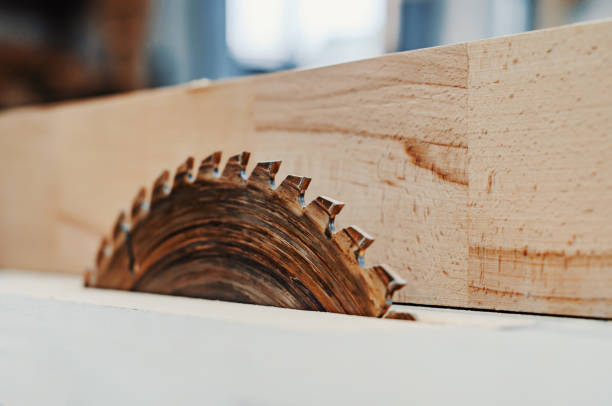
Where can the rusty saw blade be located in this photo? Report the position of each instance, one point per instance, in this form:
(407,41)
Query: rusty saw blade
(226,236)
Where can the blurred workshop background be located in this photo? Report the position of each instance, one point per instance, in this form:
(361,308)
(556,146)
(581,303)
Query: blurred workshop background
(52,50)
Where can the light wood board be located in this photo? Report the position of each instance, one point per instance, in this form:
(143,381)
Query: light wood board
(481,168)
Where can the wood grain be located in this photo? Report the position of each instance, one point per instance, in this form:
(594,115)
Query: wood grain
(390,136)
(540,163)
(480,169)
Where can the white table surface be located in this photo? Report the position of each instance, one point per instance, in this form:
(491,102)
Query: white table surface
(61,344)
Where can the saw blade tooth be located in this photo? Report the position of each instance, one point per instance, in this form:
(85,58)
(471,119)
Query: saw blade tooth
(323,211)
(104,251)
(160,189)
(120,226)
(235,168)
(183,174)
(359,239)
(139,206)
(209,167)
(398,314)
(392,281)
(89,278)
(294,188)
(264,173)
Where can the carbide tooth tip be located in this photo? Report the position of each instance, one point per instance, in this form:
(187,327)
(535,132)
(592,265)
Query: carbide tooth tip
(160,187)
(244,158)
(393,281)
(236,166)
(299,183)
(139,204)
(209,167)
(273,167)
(332,207)
(120,225)
(183,173)
(303,184)
(265,172)
(294,187)
(395,285)
(359,239)
(323,211)
(186,166)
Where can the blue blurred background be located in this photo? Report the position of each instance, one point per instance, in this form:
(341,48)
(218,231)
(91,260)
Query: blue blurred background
(56,50)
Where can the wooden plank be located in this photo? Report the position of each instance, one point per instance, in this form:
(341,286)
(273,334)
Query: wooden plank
(540,129)
(436,152)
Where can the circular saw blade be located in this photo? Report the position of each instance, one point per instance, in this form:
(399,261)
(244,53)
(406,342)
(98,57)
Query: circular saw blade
(226,236)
